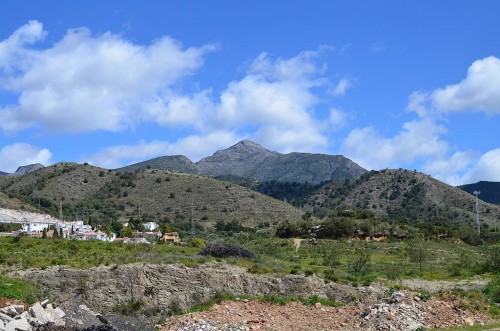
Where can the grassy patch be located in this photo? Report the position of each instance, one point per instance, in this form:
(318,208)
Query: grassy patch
(488,327)
(18,289)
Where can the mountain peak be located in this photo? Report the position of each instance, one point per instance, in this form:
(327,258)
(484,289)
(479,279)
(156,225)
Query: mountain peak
(247,145)
(23,170)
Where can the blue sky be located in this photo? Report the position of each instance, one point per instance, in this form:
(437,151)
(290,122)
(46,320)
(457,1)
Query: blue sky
(410,84)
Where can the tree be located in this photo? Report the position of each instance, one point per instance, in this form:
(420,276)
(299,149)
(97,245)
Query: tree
(126,232)
(360,261)
(418,253)
(55,234)
(44,233)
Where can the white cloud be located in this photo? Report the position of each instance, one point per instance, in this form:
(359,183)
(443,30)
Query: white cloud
(487,168)
(342,86)
(479,91)
(338,119)
(450,169)
(418,139)
(190,111)
(19,154)
(86,83)
(286,140)
(275,99)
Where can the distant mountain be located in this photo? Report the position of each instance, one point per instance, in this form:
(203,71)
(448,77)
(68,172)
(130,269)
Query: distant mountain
(249,160)
(177,163)
(400,194)
(490,191)
(3,173)
(23,170)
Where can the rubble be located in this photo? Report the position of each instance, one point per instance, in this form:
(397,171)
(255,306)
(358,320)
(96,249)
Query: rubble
(15,317)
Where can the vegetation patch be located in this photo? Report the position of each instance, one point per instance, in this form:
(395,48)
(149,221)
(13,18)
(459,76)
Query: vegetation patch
(18,289)
(222,250)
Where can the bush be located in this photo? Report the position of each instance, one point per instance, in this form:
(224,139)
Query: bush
(360,261)
(492,290)
(196,242)
(492,263)
(222,250)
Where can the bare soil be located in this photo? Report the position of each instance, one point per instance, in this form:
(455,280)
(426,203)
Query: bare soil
(260,315)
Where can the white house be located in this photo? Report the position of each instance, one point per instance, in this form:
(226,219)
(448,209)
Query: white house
(150,226)
(34,227)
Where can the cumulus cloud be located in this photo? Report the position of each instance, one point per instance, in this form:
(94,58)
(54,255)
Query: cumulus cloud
(276,100)
(417,139)
(19,154)
(477,92)
(487,168)
(450,169)
(85,82)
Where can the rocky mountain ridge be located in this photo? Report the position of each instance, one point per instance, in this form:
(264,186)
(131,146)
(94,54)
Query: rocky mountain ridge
(250,160)
(23,170)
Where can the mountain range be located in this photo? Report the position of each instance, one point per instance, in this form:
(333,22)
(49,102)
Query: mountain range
(250,160)
(173,187)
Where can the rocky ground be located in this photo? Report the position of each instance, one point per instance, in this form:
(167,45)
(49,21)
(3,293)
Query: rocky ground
(401,311)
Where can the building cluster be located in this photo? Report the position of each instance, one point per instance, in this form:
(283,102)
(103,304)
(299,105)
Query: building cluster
(77,230)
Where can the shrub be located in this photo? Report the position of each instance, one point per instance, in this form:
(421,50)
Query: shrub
(492,262)
(222,250)
(360,261)
(196,242)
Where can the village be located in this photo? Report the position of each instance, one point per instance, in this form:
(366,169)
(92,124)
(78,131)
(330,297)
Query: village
(77,230)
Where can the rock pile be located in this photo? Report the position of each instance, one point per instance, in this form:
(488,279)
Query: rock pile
(15,317)
(399,312)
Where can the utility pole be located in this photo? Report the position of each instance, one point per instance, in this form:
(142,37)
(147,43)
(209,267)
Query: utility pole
(476,193)
(60,211)
(193,225)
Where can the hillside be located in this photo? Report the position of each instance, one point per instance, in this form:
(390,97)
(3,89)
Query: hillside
(490,191)
(3,173)
(105,195)
(401,194)
(249,160)
(14,203)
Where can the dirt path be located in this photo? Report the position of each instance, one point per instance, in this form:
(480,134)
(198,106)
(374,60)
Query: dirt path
(297,243)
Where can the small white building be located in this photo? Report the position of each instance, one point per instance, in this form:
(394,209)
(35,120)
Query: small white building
(34,227)
(150,226)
